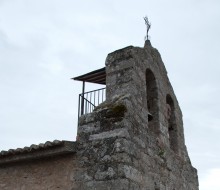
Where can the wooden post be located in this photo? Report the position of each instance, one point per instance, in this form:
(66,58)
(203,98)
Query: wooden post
(82,100)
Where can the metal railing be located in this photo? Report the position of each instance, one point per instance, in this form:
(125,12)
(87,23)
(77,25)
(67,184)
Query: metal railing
(89,100)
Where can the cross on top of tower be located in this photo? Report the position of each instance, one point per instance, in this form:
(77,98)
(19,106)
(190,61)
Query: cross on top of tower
(148,25)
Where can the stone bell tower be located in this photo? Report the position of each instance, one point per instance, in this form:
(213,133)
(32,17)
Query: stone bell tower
(134,140)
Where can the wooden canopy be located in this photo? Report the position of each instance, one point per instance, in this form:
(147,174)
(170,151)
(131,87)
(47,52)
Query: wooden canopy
(97,76)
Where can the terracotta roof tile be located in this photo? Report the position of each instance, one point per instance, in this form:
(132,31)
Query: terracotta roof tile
(34,151)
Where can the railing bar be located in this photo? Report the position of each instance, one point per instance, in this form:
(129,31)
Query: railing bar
(84,106)
(87,107)
(93,90)
(79,108)
(90,101)
(88,104)
(94,97)
(98,97)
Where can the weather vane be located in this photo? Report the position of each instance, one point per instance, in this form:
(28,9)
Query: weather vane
(148,25)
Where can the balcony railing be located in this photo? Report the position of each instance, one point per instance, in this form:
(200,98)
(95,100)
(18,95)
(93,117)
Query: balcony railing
(89,100)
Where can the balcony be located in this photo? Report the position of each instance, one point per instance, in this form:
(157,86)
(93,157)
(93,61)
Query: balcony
(89,100)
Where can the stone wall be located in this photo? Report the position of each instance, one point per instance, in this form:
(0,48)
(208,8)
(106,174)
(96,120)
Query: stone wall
(44,174)
(48,166)
(119,146)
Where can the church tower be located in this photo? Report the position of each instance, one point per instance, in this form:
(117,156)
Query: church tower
(134,139)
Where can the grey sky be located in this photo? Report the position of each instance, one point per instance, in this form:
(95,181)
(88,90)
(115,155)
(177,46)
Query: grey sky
(43,43)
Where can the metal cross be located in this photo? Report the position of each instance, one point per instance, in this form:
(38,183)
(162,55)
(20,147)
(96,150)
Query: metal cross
(148,25)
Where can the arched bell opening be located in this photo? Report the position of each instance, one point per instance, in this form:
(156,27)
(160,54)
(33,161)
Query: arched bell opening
(171,123)
(152,100)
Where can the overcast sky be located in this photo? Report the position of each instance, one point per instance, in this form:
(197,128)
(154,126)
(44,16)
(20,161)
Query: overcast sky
(43,43)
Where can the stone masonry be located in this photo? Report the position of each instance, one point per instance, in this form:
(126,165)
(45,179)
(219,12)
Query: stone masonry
(120,146)
(132,141)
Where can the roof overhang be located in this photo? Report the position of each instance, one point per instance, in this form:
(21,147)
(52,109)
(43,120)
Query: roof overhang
(41,151)
(97,76)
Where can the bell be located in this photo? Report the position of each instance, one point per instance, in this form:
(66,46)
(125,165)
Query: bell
(150,116)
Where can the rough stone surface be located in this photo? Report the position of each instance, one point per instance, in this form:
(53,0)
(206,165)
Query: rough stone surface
(123,144)
(43,174)
(132,141)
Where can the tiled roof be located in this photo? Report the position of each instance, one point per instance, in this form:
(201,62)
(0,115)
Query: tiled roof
(47,149)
